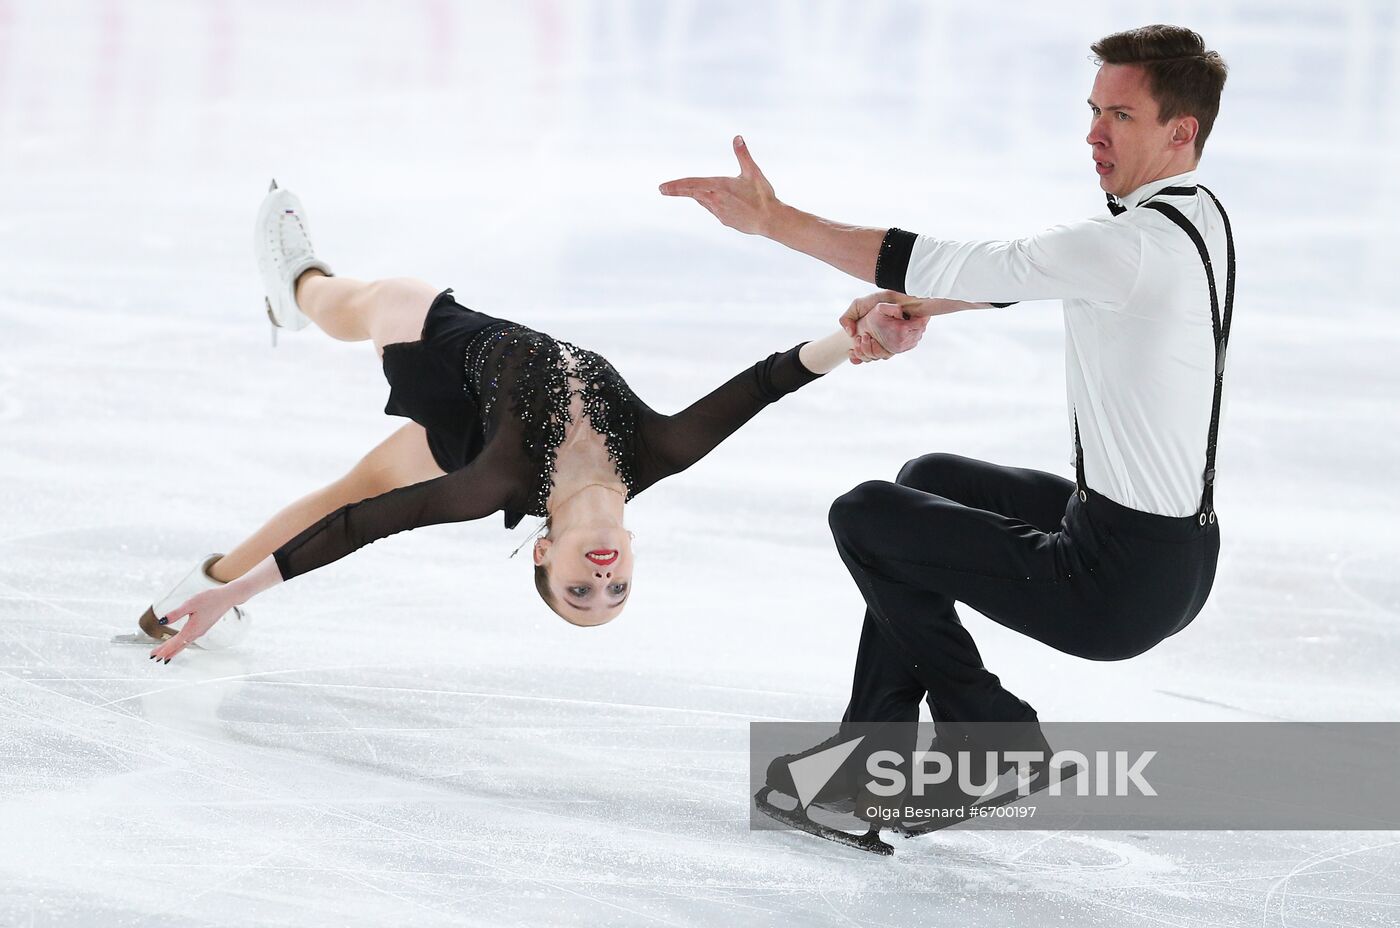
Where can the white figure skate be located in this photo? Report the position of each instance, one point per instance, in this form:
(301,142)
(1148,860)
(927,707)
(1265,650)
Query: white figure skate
(231,628)
(282,244)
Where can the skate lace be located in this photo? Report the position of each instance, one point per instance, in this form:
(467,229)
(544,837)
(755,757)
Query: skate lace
(292,240)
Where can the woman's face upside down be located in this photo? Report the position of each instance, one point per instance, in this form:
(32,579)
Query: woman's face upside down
(589,571)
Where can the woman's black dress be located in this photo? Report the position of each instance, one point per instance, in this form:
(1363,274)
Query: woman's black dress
(497,443)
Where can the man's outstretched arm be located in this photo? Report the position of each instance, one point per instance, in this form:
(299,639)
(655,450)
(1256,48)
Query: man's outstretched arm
(747,203)
(1095,259)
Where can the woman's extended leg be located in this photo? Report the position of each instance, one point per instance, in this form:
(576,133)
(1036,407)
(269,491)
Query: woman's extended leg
(387,311)
(401,459)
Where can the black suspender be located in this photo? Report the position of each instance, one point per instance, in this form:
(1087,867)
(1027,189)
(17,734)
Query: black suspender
(1079,462)
(1220,327)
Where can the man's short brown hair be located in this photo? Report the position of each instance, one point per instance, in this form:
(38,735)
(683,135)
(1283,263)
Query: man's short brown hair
(1185,78)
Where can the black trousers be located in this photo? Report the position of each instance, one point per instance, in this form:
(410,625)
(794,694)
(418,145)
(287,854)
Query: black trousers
(1088,577)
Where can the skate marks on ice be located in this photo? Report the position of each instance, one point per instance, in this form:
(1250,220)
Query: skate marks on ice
(1206,701)
(1354,882)
(367,787)
(359,792)
(1164,878)
(352,793)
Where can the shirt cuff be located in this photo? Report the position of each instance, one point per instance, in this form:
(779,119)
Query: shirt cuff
(892,263)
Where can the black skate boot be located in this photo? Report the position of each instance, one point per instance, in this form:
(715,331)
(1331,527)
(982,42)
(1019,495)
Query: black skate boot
(799,777)
(837,794)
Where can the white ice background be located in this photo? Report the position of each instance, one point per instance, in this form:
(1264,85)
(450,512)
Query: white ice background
(409,737)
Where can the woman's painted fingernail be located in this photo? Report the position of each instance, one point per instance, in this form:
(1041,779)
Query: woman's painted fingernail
(167,660)
(162,621)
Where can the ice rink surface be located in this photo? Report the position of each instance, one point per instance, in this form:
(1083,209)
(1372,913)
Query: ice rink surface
(409,737)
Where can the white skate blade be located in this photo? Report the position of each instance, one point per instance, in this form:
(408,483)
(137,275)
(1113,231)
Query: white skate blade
(137,638)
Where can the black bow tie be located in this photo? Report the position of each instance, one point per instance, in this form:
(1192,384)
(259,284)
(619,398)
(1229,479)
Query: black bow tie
(1118,209)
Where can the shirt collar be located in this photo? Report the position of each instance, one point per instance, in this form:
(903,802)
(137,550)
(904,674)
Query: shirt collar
(1146,190)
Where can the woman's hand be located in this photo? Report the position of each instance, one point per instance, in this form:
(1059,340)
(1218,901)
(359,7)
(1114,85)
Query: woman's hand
(203,609)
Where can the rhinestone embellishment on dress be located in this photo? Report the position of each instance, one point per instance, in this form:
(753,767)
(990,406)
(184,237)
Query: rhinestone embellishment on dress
(539,395)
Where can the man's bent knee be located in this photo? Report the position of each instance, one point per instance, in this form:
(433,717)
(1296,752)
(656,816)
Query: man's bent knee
(930,472)
(858,506)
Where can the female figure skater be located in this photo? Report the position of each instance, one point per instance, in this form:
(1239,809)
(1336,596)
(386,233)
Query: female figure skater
(505,418)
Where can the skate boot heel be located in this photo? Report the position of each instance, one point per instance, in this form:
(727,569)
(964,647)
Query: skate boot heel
(231,628)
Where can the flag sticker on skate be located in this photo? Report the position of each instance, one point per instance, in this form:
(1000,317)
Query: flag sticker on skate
(811,773)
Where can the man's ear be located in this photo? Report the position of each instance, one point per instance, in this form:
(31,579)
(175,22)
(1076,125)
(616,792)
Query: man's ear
(541,549)
(1185,132)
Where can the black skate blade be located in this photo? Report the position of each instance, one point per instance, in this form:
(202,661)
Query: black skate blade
(1042,781)
(796,818)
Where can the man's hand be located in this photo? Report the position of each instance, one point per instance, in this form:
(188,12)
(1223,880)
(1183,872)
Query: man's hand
(884,332)
(850,319)
(746,202)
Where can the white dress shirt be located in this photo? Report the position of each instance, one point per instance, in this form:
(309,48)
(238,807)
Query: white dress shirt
(1139,348)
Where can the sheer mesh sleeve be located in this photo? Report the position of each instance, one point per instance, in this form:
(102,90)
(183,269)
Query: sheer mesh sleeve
(670,444)
(473,492)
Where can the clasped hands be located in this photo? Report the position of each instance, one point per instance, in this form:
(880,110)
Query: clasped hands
(880,327)
(886,323)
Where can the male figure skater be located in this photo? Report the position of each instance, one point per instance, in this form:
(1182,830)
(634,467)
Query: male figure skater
(1108,565)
